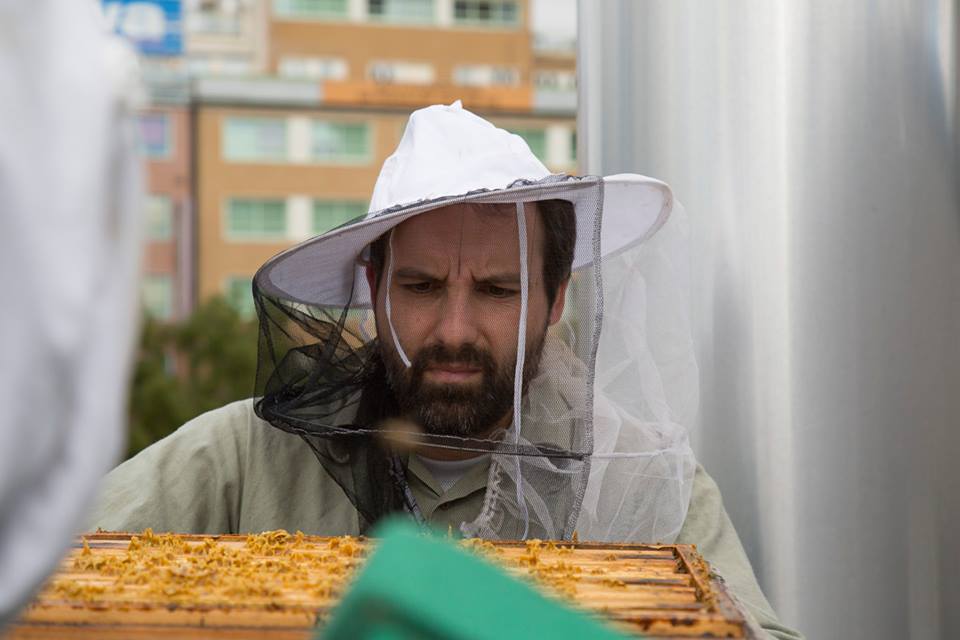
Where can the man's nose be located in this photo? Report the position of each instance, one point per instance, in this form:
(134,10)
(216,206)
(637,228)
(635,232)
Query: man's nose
(456,325)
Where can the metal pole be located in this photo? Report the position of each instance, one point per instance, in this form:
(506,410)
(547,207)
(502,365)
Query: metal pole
(814,145)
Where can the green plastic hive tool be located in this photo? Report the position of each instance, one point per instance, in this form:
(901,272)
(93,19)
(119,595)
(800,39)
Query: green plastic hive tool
(416,586)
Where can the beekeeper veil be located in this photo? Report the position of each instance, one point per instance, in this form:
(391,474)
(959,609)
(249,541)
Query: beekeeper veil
(487,309)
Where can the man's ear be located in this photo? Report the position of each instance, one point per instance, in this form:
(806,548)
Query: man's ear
(556,311)
(372,282)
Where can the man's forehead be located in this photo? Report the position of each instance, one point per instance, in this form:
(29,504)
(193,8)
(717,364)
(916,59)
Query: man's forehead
(468,222)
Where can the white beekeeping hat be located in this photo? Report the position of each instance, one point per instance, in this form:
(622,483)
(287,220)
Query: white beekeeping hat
(448,154)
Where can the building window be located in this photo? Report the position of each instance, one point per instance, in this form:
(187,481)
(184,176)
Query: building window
(329,214)
(341,142)
(482,75)
(156,292)
(257,219)
(486,12)
(310,8)
(238,292)
(217,17)
(251,139)
(573,147)
(536,139)
(219,65)
(313,68)
(390,72)
(155,138)
(159,217)
(555,80)
(404,11)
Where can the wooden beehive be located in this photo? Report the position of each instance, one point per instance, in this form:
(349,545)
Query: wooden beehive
(278,585)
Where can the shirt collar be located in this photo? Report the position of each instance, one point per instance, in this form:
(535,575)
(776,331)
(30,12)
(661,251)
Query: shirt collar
(473,480)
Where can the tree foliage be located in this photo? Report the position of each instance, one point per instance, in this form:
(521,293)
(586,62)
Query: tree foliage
(184,369)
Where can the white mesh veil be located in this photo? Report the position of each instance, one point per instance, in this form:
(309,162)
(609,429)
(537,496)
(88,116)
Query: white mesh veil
(646,394)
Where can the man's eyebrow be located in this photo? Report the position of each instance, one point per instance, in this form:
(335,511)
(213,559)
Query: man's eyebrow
(500,278)
(413,273)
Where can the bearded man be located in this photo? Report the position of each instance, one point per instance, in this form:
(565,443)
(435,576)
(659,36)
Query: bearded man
(435,360)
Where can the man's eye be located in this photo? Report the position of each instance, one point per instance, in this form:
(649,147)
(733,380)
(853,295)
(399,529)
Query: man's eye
(494,291)
(419,287)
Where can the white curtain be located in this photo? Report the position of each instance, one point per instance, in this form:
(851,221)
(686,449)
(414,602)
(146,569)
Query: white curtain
(814,145)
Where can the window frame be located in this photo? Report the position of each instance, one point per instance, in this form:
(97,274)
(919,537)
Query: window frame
(231,235)
(561,78)
(225,154)
(323,61)
(315,229)
(488,23)
(341,159)
(429,19)
(228,293)
(423,65)
(524,131)
(155,278)
(460,71)
(309,17)
(167,152)
(149,234)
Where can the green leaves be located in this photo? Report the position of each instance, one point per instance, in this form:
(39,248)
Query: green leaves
(186,368)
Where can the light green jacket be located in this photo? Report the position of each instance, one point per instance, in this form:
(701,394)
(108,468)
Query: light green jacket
(228,471)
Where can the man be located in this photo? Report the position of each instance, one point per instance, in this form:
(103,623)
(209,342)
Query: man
(493,399)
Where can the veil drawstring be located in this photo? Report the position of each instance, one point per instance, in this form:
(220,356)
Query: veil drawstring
(393,332)
(518,372)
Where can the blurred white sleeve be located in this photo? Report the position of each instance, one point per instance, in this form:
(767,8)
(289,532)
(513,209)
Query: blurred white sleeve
(69,257)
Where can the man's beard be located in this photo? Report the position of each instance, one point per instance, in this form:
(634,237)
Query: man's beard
(467,410)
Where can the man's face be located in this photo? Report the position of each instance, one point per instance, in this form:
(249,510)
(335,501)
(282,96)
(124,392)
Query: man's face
(455,305)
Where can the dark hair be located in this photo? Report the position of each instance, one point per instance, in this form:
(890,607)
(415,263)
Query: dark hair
(559,242)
